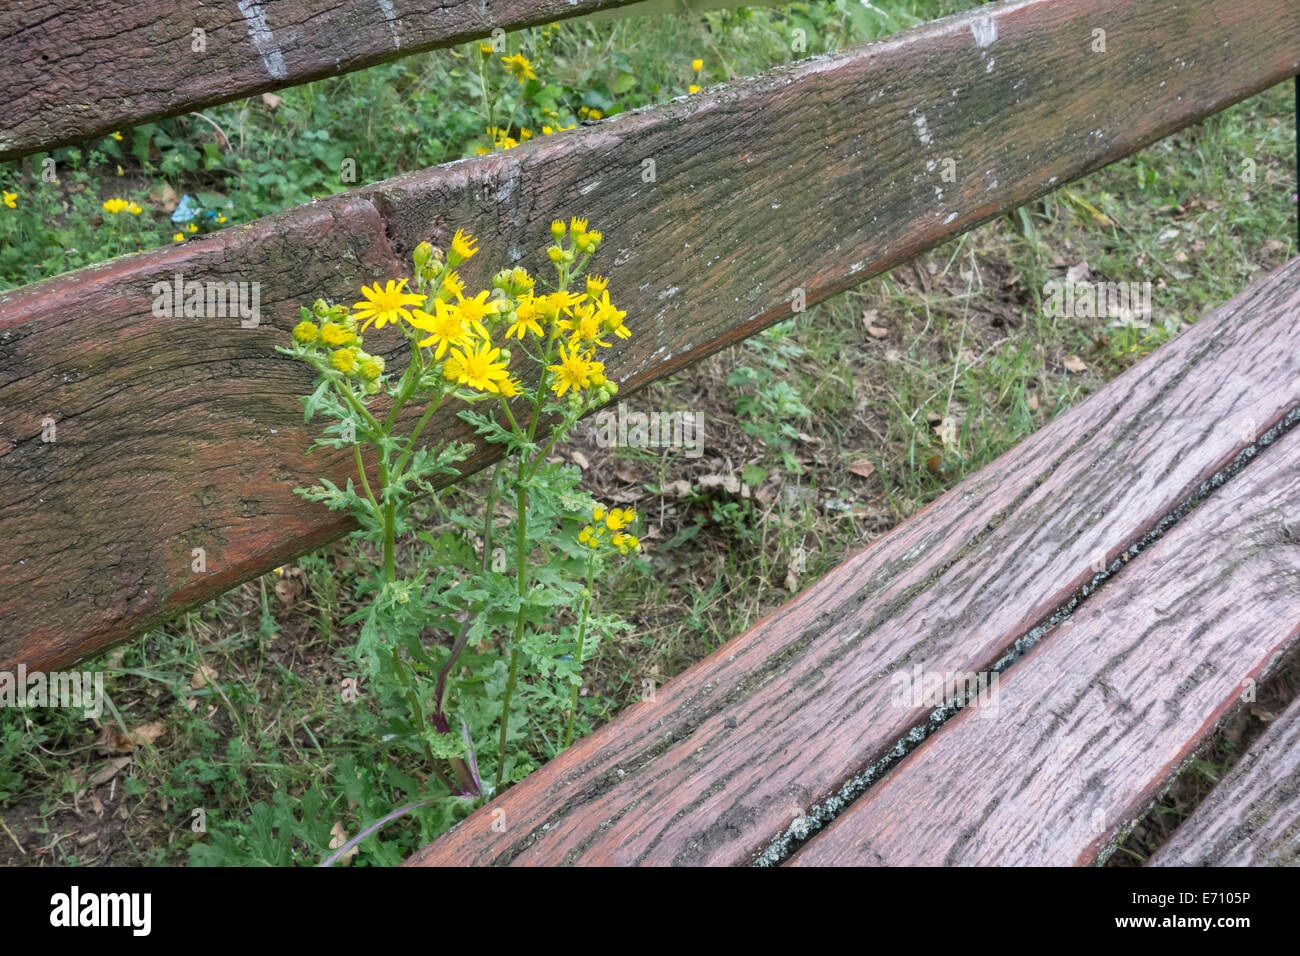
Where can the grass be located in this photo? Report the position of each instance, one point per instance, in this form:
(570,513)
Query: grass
(821,435)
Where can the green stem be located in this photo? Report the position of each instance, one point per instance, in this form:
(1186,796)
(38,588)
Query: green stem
(582,638)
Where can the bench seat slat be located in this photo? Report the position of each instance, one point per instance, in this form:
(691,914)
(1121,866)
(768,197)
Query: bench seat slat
(183,433)
(728,753)
(1252,817)
(1091,724)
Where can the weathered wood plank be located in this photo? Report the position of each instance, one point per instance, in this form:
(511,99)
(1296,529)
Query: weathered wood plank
(80,69)
(731,751)
(1252,818)
(1090,726)
(705,247)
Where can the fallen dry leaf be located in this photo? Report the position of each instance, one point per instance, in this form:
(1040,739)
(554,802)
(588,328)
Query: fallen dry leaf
(863,468)
(1032,402)
(338,837)
(1075,364)
(271,101)
(580,460)
(203,676)
(107,772)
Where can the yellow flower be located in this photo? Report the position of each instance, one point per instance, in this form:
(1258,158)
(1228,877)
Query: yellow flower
(133,209)
(586,327)
(372,366)
(598,513)
(114,206)
(485,49)
(577,226)
(386,304)
(525,135)
(573,372)
(509,387)
(595,286)
(11,199)
(345,360)
(481,150)
(462,246)
(474,310)
(304,332)
(692,88)
(452,284)
(525,319)
(118,137)
(625,542)
(697,65)
(120,172)
(331,333)
(221,217)
(193,227)
(479,367)
(179,237)
(619,518)
(444,327)
(519,67)
(611,317)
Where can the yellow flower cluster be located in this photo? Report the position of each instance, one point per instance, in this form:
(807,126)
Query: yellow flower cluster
(114,206)
(457,327)
(607,528)
(338,331)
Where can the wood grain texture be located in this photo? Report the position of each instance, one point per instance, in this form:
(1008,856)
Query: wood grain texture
(1252,818)
(79,69)
(775,721)
(1094,721)
(706,251)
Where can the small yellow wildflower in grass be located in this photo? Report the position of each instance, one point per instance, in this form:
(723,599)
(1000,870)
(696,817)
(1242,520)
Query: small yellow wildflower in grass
(386,304)
(221,217)
(697,65)
(114,206)
(596,285)
(692,88)
(117,136)
(345,360)
(485,49)
(479,367)
(462,246)
(444,327)
(525,135)
(573,372)
(120,172)
(133,209)
(193,227)
(11,199)
(519,67)
(333,334)
(625,542)
(619,518)
(179,237)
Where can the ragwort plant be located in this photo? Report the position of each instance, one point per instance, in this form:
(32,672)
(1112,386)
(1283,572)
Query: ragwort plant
(475,657)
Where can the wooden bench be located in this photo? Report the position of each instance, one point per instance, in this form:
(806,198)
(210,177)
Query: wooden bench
(789,744)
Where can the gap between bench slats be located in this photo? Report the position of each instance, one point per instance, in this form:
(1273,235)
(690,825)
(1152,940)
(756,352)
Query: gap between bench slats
(729,753)
(1085,731)
(1252,817)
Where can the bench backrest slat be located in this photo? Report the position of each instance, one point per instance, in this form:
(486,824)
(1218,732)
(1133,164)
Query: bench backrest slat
(123,62)
(718,212)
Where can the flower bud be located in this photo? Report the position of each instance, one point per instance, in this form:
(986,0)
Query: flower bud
(613,387)
(505,355)
(422,254)
(502,279)
(569,255)
(556,254)
(321,309)
(304,333)
(557,230)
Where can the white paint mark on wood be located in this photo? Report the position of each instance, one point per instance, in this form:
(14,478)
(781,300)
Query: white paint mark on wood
(922,128)
(985,31)
(263,40)
(391,16)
